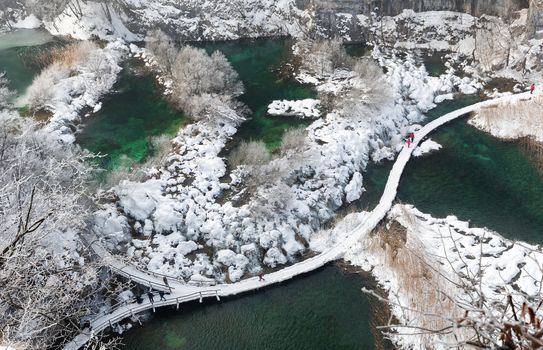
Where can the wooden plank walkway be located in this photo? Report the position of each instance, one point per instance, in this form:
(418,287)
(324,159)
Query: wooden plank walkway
(181,293)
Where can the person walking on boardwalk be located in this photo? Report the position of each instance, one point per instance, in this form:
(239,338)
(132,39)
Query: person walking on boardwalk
(532,88)
(161,293)
(151,298)
(261,277)
(412,137)
(408,141)
(139,299)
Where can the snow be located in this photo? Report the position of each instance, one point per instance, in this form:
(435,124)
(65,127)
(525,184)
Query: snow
(29,22)
(308,108)
(306,187)
(93,22)
(518,119)
(346,238)
(502,263)
(185,19)
(354,188)
(83,87)
(426,147)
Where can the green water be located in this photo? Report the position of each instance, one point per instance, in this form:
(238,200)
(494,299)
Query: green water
(258,63)
(358,49)
(135,111)
(474,176)
(478,178)
(323,310)
(434,63)
(14,46)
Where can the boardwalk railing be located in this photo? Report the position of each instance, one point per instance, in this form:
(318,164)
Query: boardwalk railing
(102,323)
(182,293)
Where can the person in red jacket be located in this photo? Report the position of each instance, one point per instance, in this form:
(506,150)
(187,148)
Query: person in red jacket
(408,142)
(412,137)
(532,88)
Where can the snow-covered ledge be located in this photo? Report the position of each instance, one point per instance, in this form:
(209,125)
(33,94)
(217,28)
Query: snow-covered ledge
(308,108)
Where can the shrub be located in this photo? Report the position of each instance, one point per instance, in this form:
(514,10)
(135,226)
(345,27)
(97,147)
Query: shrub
(369,92)
(250,153)
(293,139)
(200,80)
(42,91)
(324,56)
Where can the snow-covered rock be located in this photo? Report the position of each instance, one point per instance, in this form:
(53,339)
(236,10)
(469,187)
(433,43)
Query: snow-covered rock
(354,188)
(308,108)
(426,147)
(87,82)
(29,22)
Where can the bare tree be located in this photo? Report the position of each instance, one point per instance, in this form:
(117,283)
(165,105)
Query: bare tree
(48,281)
(5,93)
(202,84)
(322,57)
(444,301)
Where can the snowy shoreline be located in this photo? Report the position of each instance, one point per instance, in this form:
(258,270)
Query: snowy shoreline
(507,267)
(92,78)
(181,209)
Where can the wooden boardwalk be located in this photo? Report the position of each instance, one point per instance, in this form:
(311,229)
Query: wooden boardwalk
(181,293)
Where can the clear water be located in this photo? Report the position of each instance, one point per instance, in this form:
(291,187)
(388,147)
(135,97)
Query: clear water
(357,49)
(434,64)
(476,177)
(13,48)
(323,310)
(131,114)
(136,110)
(258,63)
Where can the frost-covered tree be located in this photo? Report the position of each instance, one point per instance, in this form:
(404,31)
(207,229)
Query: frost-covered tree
(250,153)
(370,88)
(5,93)
(48,283)
(64,62)
(201,82)
(323,57)
(41,91)
(162,47)
(200,78)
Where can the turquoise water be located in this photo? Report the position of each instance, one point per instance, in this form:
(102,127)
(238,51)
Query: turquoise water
(478,178)
(259,63)
(434,64)
(135,111)
(14,47)
(323,310)
(357,50)
(121,129)
(474,176)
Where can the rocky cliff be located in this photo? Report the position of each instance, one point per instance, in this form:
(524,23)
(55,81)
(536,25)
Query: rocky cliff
(394,7)
(232,19)
(347,17)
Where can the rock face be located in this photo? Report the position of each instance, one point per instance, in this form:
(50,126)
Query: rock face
(394,7)
(343,17)
(232,19)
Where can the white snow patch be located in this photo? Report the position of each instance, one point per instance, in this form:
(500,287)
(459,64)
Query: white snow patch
(308,108)
(29,22)
(426,147)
